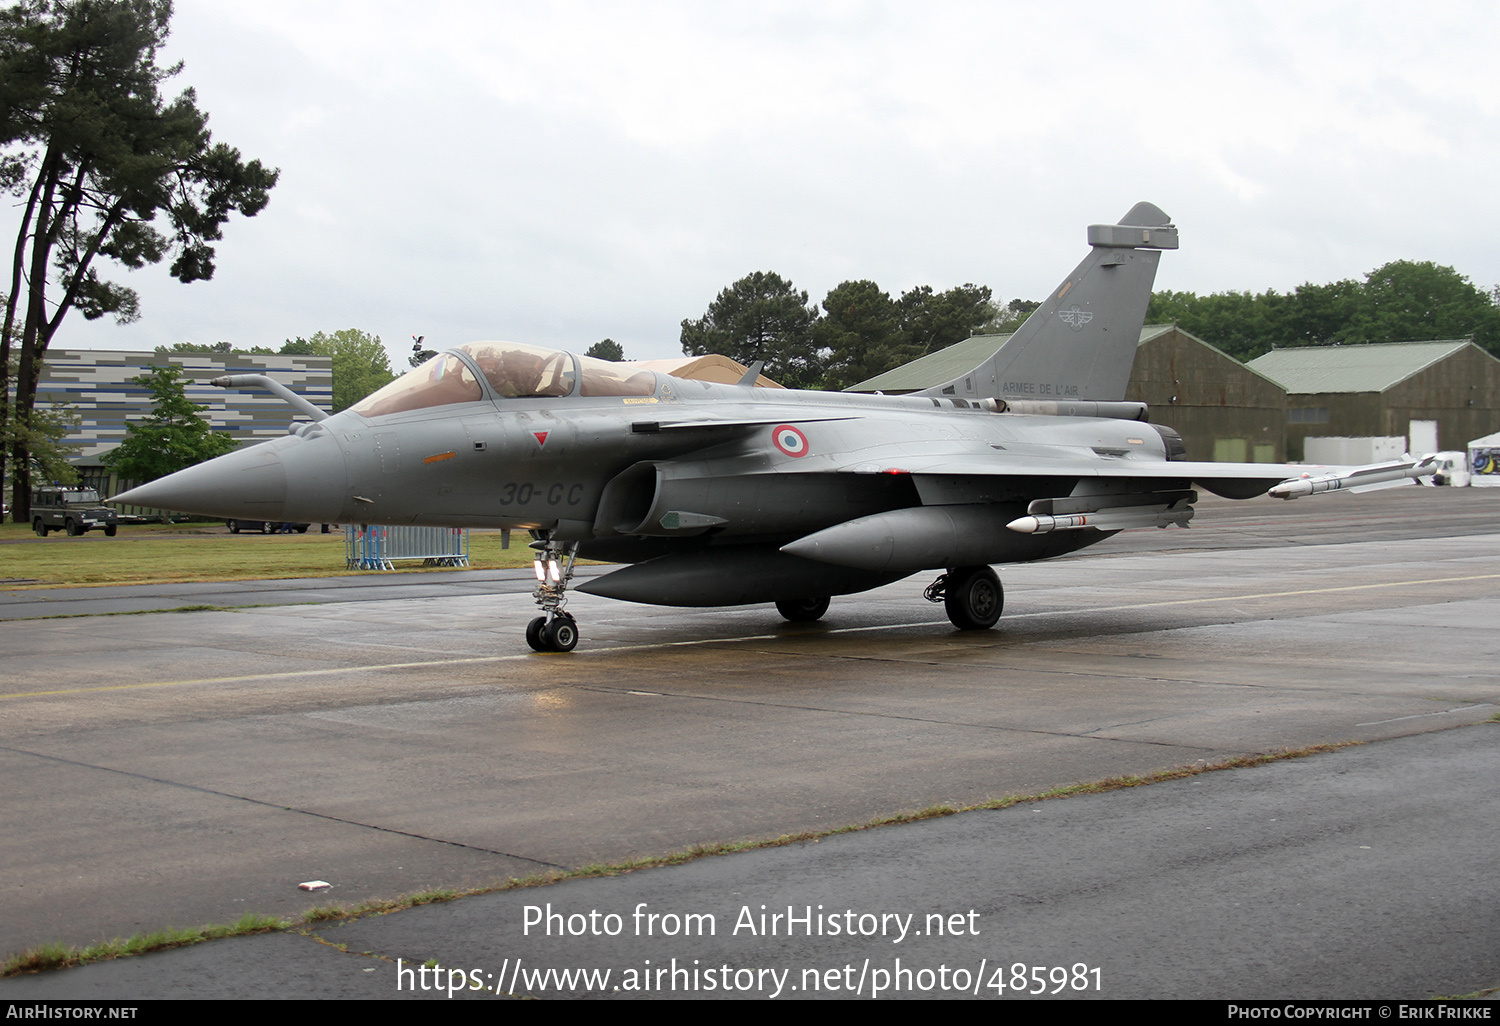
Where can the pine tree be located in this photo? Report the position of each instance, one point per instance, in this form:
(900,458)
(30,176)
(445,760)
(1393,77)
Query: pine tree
(105,166)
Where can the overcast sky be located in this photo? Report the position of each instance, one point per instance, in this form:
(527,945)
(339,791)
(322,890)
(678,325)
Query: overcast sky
(562,172)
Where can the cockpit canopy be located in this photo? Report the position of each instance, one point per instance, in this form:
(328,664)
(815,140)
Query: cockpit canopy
(517,371)
(512,370)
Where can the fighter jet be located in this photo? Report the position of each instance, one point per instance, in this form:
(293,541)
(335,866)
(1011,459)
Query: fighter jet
(720,495)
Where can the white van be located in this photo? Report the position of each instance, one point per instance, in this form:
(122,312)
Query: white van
(1453,469)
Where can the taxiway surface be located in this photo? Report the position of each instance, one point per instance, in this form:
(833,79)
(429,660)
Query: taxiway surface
(181,768)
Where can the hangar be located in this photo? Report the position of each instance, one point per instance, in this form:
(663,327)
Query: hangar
(1434,395)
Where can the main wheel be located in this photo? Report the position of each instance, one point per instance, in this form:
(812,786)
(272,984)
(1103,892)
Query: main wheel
(534,634)
(802,610)
(39,527)
(266,527)
(561,634)
(974,598)
(234,526)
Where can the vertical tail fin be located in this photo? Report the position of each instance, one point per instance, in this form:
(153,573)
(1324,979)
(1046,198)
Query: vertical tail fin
(1080,343)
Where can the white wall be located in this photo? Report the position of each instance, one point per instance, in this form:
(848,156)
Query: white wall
(1354,451)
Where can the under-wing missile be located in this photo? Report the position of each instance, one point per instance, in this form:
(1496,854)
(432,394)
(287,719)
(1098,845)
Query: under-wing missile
(1378,473)
(1118,519)
(1107,512)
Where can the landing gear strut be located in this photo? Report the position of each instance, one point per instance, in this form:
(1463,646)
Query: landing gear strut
(555,630)
(972,596)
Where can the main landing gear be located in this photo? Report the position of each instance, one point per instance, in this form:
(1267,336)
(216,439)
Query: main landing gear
(555,630)
(802,610)
(972,596)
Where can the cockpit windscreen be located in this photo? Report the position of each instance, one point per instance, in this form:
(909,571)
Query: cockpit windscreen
(442,380)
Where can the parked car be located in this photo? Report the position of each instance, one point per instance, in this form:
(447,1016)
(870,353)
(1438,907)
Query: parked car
(265,527)
(75,510)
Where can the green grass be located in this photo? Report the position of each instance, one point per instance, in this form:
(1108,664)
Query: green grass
(182,553)
(380,906)
(49,957)
(58,956)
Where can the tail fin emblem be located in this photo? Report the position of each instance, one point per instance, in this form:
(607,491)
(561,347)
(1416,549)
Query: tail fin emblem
(1074,317)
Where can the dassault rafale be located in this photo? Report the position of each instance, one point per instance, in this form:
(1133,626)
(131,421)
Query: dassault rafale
(718,495)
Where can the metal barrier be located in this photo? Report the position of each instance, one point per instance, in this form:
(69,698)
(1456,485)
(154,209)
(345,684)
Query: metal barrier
(377,547)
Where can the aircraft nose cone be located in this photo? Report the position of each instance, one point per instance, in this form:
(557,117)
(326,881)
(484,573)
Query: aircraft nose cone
(245,485)
(253,484)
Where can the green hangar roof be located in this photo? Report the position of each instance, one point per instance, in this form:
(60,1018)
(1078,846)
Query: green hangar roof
(1364,368)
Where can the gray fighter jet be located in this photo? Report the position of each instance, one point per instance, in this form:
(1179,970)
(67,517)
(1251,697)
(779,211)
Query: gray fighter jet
(718,495)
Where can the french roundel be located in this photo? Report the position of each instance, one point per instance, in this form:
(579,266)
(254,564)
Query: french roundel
(789,440)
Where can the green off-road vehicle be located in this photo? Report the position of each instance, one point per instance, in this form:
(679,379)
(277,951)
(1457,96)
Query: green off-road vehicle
(75,510)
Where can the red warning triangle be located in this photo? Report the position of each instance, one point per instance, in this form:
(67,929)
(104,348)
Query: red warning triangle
(540,436)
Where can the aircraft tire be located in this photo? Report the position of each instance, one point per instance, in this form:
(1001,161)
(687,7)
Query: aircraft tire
(234,526)
(974,598)
(561,634)
(534,634)
(802,610)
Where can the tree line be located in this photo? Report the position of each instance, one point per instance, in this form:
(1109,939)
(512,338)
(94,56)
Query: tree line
(1402,301)
(860,330)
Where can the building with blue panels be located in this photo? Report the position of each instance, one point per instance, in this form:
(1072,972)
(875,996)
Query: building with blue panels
(99,385)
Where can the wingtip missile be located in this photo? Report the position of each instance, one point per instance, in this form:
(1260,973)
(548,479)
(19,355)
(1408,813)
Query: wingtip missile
(1377,473)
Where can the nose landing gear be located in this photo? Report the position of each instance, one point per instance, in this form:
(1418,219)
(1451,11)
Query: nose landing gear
(555,630)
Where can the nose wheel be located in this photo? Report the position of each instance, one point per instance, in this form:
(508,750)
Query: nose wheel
(560,635)
(555,630)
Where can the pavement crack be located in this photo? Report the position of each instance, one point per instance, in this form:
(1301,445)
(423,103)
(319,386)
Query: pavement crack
(277,805)
(340,946)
